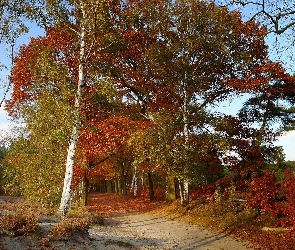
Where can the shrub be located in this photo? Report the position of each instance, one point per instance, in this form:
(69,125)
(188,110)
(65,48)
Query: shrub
(83,212)
(77,221)
(70,226)
(97,219)
(265,194)
(205,193)
(288,206)
(268,195)
(19,224)
(22,217)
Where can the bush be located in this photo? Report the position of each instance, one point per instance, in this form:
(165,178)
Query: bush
(97,219)
(77,221)
(21,218)
(288,206)
(83,212)
(19,224)
(69,226)
(265,194)
(269,195)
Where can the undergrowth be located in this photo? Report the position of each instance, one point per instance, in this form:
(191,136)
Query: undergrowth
(78,220)
(19,224)
(23,218)
(232,215)
(120,243)
(19,218)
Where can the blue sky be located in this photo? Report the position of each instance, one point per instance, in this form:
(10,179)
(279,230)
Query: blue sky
(5,123)
(286,140)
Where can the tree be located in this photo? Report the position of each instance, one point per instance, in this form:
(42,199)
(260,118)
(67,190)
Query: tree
(278,17)
(209,53)
(269,106)
(102,144)
(155,150)
(101,60)
(86,19)
(193,56)
(35,170)
(12,26)
(41,98)
(37,84)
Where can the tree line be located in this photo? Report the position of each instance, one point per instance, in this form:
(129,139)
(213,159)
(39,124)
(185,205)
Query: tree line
(126,92)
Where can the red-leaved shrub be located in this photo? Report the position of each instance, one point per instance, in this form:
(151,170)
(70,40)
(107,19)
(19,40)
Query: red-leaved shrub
(268,195)
(288,207)
(265,194)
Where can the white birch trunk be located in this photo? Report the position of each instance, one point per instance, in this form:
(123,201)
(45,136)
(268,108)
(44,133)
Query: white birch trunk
(134,182)
(185,180)
(67,188)
(184,183)
(142,181)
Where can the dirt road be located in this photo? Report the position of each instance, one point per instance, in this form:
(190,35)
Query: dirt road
(148,231)
(127,230)
(134,231)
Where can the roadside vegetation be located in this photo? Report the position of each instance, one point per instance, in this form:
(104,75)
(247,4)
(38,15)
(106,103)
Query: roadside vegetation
(131,98)
(223,211)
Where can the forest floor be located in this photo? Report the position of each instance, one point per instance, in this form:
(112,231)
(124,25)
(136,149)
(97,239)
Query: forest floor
(129,224)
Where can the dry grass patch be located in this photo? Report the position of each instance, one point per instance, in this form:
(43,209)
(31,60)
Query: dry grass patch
(16,224)
(78,220)
(20,218)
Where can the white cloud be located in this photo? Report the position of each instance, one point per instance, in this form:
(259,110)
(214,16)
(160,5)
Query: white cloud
(287,141)
(4,127)
(4,120)
(2,111)
(289,134)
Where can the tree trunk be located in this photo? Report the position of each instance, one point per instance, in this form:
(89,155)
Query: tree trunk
(170,189)
(67,188)
(119,184)
(259,137)
(142,184)
(66,193)
(113,187)
(184,183)
(116,186)
(184,192)
(109,186)
(124,184)
(134,182)
(86,191)
(151,186)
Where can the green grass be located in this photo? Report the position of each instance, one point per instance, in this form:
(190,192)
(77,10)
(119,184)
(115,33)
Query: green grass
(120,243)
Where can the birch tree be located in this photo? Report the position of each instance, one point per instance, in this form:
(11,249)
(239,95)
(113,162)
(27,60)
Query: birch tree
(86,20)
(40,98)
(66,193)
(209,51)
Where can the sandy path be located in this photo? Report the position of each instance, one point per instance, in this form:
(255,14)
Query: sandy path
(134,231)
(129,231)
(147,231)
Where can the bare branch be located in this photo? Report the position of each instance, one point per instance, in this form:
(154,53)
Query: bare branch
(9,82)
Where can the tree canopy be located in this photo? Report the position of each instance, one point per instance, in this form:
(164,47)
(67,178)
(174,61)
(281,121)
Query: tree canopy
(133,95)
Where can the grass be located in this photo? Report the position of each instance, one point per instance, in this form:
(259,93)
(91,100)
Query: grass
(234,218)
(120,243)
(22,218)
(224,215)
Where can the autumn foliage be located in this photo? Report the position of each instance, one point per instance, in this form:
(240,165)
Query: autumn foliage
(276,197)
(156,75)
